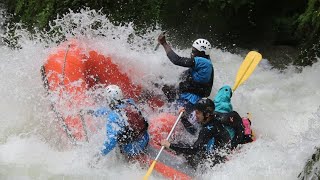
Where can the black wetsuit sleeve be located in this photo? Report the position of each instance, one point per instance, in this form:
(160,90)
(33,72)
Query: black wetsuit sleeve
(204,137)
(180,61)
(189,126)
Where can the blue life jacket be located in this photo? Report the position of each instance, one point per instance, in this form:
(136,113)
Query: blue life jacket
(125,126)
(136,147)
(197,81)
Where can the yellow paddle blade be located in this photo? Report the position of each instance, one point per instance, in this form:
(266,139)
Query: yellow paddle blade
(247,67)
(146,177)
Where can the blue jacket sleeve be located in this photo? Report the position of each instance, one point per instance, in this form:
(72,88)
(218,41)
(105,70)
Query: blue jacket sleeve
(101,112)
(113,127)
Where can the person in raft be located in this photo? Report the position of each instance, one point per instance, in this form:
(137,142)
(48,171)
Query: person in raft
(195,82)
(125,125)
(239,128)
(213,141)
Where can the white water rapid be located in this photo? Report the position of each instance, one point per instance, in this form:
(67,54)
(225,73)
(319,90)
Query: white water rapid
(284,106)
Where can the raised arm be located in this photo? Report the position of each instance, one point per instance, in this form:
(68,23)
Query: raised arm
(173,57)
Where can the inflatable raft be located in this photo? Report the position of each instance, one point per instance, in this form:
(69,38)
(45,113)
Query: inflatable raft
(70,72)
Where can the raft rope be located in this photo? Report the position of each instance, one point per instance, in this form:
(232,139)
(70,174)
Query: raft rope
(84,127)
(58,115)
(64,64)
(63,85)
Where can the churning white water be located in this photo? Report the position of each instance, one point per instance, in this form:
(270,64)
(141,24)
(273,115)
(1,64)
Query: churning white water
(284,106)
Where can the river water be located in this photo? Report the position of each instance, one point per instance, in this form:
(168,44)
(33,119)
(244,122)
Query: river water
(284,106)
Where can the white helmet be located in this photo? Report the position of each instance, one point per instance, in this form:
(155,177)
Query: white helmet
(113,93)
(202,45)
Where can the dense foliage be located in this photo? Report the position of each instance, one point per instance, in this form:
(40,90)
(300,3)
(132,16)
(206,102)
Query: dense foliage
(311,168)
(246,23)
(308,32)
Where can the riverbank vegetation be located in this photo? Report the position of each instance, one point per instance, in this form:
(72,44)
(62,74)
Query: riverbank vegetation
(287,29)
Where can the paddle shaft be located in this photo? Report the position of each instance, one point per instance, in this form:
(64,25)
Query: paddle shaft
(169,135)
(158,155)
(157,47)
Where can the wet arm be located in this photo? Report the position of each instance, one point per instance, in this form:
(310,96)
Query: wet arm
(188,125)
(111,140)
(203,138)
(113,128)
(100,112)
(177,60)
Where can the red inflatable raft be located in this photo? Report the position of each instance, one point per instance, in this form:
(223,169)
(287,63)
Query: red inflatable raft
(70,71)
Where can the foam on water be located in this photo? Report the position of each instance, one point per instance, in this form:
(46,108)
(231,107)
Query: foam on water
(284,106)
